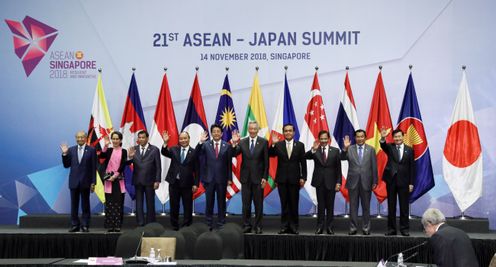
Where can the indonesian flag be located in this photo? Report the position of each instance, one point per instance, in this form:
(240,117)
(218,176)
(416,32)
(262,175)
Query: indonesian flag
(346,125)
(99,127)
(284,115)
(462,155)
(164,120)
(379,117)
(195,123)
(315,121)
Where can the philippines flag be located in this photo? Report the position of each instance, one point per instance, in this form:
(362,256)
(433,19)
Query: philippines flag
(195,123)
(226,118)
(315,121)
(346,124)
(462,155)
(284,115)
(410,122)
(164,120)
(132,122)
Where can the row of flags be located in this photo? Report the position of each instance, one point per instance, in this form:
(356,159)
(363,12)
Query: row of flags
(462,156)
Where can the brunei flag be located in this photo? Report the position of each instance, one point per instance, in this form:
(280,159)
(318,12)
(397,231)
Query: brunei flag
(100,126)
(226,118)
(379,118)
(195,123)
(410,122)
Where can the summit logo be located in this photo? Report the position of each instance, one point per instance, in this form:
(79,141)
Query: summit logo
(32,39)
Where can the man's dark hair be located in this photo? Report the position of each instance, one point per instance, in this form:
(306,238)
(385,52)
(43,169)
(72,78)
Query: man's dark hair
(215,125)
(143,132)
(324,132)
(360,131)
(398,131)
(288,124)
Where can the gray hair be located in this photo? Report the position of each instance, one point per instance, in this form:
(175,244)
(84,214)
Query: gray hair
(432,216)
(254,122)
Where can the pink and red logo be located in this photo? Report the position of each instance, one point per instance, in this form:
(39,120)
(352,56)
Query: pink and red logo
(32,39)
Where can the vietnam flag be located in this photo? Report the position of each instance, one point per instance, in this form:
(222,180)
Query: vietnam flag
(462,155)
(164,120)
(379,118)
(100,126)
(195,123)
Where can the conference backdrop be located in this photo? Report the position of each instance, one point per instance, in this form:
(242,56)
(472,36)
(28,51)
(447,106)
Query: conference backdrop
(51,52)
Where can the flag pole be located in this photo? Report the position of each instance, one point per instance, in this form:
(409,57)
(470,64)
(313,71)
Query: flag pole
(314,214)
(103,203)
(133,208)
(194,200)
(378,210)
(462,216)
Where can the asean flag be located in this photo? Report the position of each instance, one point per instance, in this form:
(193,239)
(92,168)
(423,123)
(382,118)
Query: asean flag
(195,123)
(410,122)
(462,155)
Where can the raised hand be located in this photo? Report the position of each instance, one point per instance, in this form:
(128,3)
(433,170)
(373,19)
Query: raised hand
(131,152)
(346,141)
(384,132)
(106,140)
(235,137)
(204,137)
(64,148)
(165,137)
(275,138)
(315,145)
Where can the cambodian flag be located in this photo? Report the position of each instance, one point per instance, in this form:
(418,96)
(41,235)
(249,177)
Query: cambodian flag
(132,123)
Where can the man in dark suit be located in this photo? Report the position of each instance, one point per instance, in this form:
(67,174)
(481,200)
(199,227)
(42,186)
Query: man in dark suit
(399,176)
(361,178)
(290,176)
(254,171)
(182,177)
(218,173)
(82,179)
(326,179)
(452,247)
(146,176)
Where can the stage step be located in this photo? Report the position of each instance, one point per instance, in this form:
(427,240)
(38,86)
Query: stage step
(270,223)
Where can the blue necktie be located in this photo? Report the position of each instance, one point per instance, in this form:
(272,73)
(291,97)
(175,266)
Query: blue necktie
(80,154)
(252,146)
(183,154)
(399,152)
(360,154)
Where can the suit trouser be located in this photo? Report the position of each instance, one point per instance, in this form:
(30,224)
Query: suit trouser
(211,190)
(325,204)
(149,194)
(358,194)
(252,192)
(176,193)
(84,194)
(289,195)
(401,192)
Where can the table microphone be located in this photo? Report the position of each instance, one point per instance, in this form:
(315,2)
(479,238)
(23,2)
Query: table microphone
(135,259)
(403,251)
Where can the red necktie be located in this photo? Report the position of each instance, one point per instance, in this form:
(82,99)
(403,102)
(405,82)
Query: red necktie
(216,150)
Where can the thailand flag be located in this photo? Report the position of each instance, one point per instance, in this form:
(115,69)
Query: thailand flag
(346,124)
(195,123)
(132,123)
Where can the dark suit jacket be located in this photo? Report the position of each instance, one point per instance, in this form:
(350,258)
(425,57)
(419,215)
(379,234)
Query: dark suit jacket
(254,167)
(188,171)
(452,247)
(289,170)
(106,155)
(81,174)
(404,169)
(326,173)
(147,168)
(217,170)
